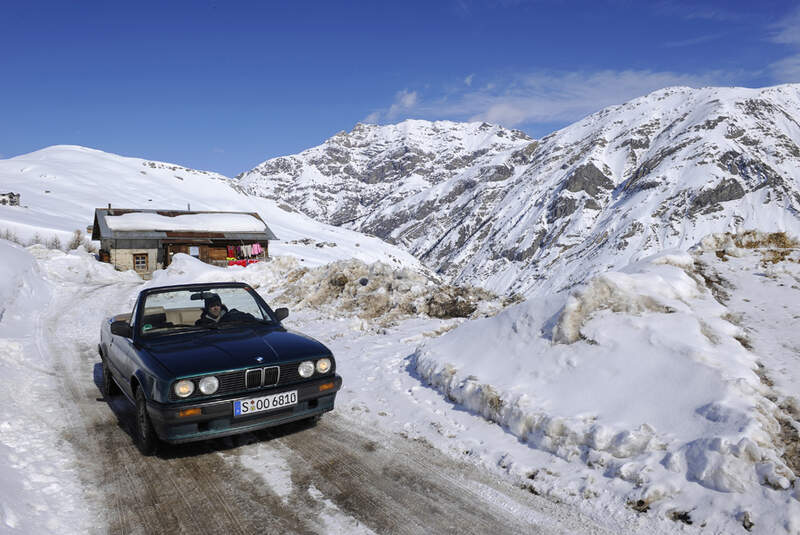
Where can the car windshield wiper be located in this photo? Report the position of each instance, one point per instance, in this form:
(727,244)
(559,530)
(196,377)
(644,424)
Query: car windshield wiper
(184,329)
(244,321)
(234,323)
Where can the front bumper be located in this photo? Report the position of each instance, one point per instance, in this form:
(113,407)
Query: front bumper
(217,420)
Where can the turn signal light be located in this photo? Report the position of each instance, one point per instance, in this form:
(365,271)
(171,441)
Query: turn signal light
(326,386)
(189,412)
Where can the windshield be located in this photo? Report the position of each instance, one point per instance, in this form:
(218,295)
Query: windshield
(212,308)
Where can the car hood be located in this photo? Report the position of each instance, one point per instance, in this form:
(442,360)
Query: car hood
(215,351)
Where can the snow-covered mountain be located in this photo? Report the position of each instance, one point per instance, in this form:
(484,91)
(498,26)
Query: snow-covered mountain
(662,392)
(60,187)
(354,176)
(490,206)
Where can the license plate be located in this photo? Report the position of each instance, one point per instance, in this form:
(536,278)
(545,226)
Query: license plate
(244,407)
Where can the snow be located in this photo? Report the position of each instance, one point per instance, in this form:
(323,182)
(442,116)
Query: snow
(280,476)
(15,272)
(661,388)
(40,489)
(667,159)
(641,375)
(634,388)
(61,186)
(187,222)
(332,520)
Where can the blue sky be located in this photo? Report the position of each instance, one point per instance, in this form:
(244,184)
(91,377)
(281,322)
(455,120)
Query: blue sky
(225,85)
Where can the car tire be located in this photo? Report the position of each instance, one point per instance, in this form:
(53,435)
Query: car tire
(110,388)
(313,420)
(146,438)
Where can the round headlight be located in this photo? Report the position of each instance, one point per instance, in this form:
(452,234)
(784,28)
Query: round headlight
(306,369)
(184,388)
(323,365)
(208,385)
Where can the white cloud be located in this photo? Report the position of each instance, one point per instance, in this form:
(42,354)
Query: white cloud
(786,70)
(541,97)
(404,101)
(693,41)
(558,97)
(468,79)
(695,10)
(372,118)
(715,14)
(787,30)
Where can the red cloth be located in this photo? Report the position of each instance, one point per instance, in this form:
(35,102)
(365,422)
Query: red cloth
(242,262)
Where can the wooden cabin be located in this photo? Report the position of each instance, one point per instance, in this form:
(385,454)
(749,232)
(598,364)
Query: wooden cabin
(146,240)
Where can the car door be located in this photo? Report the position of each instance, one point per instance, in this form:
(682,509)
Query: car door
(120,357)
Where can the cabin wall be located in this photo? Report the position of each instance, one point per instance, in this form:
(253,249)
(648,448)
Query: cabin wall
(122,253)
(123,259)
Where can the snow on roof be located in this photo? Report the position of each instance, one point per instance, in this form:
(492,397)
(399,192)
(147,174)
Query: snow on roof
(220,222)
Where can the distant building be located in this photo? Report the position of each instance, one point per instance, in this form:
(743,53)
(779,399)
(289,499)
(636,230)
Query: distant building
(10,198)
(146,240)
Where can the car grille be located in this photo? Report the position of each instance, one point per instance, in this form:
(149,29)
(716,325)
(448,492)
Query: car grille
(250,379)
(271,375)
(228,382)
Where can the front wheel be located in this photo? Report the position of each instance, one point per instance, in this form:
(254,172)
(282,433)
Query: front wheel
(146,438)
(110,388)
(313,420)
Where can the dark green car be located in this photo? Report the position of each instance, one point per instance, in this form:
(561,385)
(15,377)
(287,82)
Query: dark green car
(209,360)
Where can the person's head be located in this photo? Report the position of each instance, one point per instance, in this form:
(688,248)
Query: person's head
(213,305)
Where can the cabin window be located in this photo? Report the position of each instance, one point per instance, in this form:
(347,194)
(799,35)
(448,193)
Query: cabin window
(140,262)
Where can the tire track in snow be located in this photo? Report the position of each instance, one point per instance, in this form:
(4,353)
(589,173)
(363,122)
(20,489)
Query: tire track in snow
(400,486)
(175,492)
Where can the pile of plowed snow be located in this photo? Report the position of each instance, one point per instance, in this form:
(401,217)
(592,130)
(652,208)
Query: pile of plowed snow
(375,292)
(78,267)
(645,376)
(18,275)
(380,292)
(40,490)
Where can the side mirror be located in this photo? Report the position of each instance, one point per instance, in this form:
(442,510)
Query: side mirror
(121,328)
(281,313)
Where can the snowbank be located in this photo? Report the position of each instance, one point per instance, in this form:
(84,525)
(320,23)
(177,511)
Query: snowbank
(640,376)
(382,292)
(78,267)
(376,292)
(36,491)
(18,276)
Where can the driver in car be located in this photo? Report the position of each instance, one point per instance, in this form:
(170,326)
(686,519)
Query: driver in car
(215,312)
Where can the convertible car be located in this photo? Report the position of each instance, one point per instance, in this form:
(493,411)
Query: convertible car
(208,360)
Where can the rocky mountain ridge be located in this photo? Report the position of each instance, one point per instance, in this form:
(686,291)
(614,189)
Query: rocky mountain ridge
(346,178)
(489,206)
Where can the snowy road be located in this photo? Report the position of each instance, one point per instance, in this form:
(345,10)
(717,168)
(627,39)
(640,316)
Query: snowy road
(340,476)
